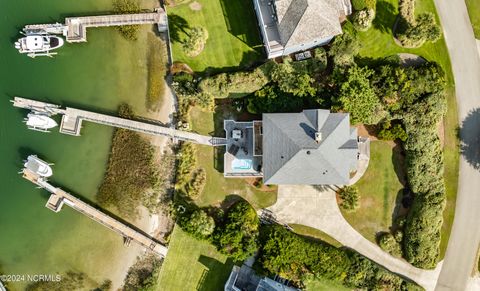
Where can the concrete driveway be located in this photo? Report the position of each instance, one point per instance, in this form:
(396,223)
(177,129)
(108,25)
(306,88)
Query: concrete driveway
(317,207)
(460,259)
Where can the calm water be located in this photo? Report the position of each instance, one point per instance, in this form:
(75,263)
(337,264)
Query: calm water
(96,75)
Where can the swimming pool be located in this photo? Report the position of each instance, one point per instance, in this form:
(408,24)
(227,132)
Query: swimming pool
(242,164)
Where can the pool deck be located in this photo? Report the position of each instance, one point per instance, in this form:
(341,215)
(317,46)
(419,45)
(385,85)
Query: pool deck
(241,149)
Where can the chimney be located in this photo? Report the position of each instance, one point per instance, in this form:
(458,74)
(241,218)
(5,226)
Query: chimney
(318,136)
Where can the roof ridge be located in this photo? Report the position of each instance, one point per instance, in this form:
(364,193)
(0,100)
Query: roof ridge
(299,148)
(297,21)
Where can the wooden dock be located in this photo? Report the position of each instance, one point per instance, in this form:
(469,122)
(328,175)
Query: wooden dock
(75,28)
(59,197)
(72,122)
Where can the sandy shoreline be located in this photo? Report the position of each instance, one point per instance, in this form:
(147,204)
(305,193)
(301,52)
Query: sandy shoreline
(155,225)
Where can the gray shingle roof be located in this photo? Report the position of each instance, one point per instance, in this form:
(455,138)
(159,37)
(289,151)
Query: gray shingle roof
(302,21)
(292,156)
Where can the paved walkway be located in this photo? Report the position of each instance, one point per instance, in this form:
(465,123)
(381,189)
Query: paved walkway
(460,258)
(317,207)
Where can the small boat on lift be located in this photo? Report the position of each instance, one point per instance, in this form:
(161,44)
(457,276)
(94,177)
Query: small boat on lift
(38,44)
(39,122)
(38,166)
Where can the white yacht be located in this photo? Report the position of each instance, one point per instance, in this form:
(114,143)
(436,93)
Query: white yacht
(38,44)
(40,122)
(38,166)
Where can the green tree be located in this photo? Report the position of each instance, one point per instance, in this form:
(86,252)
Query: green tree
(356,96)
(237,238)
(199,224)
(291,79)
(270,99)
(345,47)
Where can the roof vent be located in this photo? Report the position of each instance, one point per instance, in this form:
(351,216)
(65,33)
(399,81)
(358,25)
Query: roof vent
(318,137)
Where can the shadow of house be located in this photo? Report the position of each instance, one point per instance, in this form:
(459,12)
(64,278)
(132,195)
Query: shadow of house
(385,18)
(215,273)
(241,22)
(470,138)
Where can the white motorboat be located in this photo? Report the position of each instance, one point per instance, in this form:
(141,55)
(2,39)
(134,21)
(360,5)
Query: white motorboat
(40,122)
(38,44)
(38,166)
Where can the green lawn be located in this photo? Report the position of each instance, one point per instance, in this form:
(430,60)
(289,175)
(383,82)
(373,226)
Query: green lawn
(192,264)
(218,187)
(321,284)
(233,35)
(377,43)
(473,7)
(378,190)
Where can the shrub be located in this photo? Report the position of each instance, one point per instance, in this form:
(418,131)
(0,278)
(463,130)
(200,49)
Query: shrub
(389,244)
(349,195)
(237,238)
(130,32)
(196,185)
(187,161)
(363,19)
(345,47)
(406,9)
(414,31)
(195,42)
(199,224)
(236,84)
(425,29)
(143,275)
(293,257)
(362,4)
(394,132)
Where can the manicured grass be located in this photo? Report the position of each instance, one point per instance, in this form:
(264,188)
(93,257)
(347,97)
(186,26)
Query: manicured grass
(378,189)
(218,187)
(321,284)
(315,234)
(233,36)
(192,264)
(378,43)
(473,7)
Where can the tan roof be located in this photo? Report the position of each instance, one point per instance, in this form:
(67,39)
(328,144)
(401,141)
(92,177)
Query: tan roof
(301,21)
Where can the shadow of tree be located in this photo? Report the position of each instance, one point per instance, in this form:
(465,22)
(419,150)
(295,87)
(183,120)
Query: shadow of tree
(470,138)
(176,25)
(385,17)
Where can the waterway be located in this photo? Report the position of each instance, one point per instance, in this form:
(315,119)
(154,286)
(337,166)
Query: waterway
(96,75)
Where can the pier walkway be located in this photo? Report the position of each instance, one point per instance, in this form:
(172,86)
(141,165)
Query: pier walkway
(59,197)
(75,28)
(72,122)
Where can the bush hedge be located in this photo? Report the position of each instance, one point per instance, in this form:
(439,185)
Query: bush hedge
(291,256)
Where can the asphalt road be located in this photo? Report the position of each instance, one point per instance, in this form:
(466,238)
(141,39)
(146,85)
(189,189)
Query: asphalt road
(460,259)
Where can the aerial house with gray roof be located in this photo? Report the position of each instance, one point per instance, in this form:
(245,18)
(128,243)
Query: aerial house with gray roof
(289,26)
(314,147)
